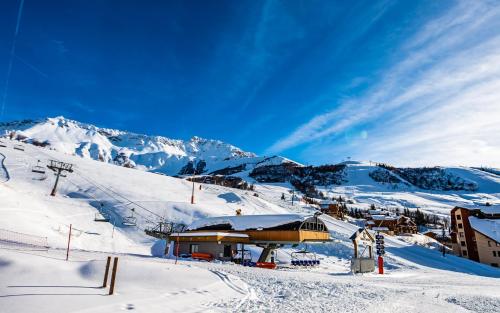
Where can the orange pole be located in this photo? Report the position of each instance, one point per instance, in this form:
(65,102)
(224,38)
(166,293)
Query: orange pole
(69,240)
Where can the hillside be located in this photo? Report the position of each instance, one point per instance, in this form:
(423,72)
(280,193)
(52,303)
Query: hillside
(27,207)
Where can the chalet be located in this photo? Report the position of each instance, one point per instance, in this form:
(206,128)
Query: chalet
(391,224)
(224,236)
(476,233)
(331,207)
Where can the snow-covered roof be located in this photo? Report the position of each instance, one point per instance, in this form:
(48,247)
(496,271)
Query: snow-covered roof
(244,222)
(218,234)
(384,217)
(487,227)
(375,212)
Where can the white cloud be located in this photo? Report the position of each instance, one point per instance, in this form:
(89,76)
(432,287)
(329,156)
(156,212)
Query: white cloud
(439,103)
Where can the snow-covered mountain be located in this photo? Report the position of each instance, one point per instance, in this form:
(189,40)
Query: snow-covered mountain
(236,167)
(151,153)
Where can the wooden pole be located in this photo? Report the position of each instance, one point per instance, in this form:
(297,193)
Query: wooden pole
(177,249)
(105,282)
(69,240)
(113,276)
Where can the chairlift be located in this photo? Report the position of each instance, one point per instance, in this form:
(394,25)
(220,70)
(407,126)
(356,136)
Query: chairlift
(304,258)
(130,220)
(38,169)
(19,147)
(101,216)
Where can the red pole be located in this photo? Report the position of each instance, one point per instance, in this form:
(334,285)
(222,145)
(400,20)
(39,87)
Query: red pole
(380,265)
(69,240)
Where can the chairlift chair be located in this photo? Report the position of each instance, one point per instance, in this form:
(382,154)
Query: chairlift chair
(38,169)
(130,220)
(101,216)
(304,258)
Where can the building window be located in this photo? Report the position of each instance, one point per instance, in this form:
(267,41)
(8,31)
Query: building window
(462,243)
(462,235)
(464,252)
(193,248)
(494,253)
(459,217)
(489,243)
(494,264)
(460,225)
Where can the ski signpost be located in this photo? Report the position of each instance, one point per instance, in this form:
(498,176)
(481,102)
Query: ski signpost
(379,241)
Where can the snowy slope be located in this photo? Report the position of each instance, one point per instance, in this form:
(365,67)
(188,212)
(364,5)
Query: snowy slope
(418,278)
(363,190)
(153,198)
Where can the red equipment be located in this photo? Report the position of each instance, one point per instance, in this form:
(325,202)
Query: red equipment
(267,265)
(380,265)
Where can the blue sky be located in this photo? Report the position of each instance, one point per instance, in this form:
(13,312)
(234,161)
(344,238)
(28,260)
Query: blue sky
(405,82)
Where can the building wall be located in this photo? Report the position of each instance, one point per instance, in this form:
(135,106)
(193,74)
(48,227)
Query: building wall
(465,245)
(213,248)
(486,247)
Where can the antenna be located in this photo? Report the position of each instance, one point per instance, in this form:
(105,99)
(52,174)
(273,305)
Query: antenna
(59,167)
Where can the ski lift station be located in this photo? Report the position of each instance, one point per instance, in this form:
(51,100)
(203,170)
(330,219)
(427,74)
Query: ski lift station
(224,237)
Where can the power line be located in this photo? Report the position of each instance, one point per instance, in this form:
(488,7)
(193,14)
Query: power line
(11,60)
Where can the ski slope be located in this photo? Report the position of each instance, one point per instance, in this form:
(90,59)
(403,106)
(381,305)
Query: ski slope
(415,274)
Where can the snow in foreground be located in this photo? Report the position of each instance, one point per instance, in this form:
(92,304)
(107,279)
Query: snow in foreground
(45,282)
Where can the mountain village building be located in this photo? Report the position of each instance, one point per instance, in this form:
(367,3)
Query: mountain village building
(384,221)
(223,237)
(476,233)
(331,208)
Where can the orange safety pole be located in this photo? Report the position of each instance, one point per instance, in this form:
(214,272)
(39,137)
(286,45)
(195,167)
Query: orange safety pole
(69,240)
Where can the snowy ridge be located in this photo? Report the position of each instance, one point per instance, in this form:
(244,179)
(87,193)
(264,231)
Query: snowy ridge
(152,153)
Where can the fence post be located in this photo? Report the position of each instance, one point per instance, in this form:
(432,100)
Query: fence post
(69,240)
(105,283)
(113,276)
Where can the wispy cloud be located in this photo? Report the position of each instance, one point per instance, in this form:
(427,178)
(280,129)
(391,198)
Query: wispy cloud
(443,87)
